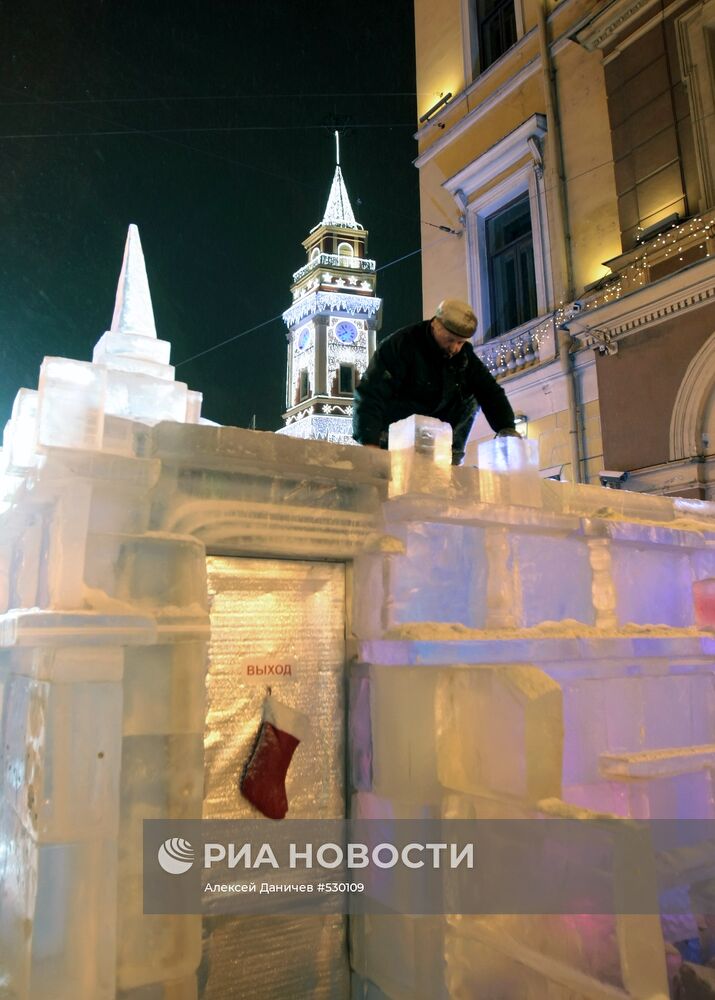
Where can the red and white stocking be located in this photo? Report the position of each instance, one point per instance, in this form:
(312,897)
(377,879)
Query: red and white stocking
(263,782)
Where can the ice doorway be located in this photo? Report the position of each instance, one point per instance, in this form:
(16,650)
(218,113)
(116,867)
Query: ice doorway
(275,613)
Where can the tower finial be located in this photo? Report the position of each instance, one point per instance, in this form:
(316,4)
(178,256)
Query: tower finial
(337,148)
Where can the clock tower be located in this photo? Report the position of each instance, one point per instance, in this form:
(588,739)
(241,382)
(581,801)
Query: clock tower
(332,323)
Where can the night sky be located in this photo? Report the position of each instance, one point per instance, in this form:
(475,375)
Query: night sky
(217,119)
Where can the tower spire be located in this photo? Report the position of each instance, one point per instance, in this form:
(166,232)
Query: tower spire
(133,313)
(338,211)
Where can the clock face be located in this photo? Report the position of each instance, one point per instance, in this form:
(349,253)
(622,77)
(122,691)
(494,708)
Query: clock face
(303,338)
(346,332)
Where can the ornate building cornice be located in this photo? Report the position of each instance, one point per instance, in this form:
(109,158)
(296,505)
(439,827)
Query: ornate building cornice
(605,27)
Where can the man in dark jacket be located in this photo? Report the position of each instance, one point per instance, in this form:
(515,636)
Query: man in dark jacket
(431,369)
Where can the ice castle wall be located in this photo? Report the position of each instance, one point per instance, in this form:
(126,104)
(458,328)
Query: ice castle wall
(517,648)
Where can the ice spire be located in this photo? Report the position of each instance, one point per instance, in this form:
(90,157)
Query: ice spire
(133,313)
(339,210)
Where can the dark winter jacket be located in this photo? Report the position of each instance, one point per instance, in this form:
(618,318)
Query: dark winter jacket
(409,373)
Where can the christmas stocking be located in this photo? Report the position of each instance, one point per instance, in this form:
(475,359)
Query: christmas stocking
(263,782)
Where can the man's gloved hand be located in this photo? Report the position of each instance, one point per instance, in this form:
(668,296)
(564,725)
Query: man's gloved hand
(508,432)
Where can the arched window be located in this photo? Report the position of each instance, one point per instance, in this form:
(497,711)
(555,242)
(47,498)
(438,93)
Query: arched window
(345,250)
(315,253)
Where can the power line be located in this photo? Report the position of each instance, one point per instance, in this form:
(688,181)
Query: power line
(207,97)
(208,128)
(273,319)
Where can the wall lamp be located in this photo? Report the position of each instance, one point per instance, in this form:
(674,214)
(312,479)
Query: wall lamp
(436,107)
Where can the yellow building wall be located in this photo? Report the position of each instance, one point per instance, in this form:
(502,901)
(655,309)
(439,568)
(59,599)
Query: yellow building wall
(552,434)
(591,192)
(438,41)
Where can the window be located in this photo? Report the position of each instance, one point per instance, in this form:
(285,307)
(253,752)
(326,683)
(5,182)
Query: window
(501,194)
(345,250)
(496,20)
(510,263)
(303,385)
(346,380)
(696,44)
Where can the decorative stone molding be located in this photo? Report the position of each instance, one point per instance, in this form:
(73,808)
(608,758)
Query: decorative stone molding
(695,389)
(605,28)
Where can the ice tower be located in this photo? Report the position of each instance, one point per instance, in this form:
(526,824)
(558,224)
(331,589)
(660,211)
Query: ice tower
(332,323)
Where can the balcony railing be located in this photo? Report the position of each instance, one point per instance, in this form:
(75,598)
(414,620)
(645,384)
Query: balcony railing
(334,260)
(520,349)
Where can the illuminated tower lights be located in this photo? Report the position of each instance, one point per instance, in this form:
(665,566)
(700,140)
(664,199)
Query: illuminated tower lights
(332,323)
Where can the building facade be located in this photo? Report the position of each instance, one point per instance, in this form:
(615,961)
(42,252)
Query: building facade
(332,322)
(574,158)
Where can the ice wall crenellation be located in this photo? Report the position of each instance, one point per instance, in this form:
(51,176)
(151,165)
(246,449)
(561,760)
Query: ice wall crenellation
(518,648)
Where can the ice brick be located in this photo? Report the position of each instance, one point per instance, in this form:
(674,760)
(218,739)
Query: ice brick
(162,777)
(150,570)
(441,575)
(176,989)
(72,396)
(500,730)
(402,955)
(61,757)
(421,454)
(363,989)
(144,397)
(424,436)
(164,689)
(67,531)
(22,444)
(498,969)
(509,471)
(194,401)
(403,717)
(57,932)
(540,558)
(131,345)
(153,948)
(633,713)
(652,583)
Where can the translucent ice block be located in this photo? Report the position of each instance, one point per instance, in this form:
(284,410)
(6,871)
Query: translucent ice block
(500,730)
(499,968)
(153,948)
(425,436)
(143,397)
(176,989)
(363,989)
(23,443)
(57,926)
(509,471)
(402,955)
(72,397)
(421,451)
(162,777)
(652,584)
(194,400)
(62,748)
(131,345)
(440,575)
(151,570)
(164,689)
(404,759)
